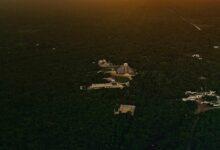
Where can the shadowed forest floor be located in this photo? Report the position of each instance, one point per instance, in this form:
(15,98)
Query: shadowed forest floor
(46,53)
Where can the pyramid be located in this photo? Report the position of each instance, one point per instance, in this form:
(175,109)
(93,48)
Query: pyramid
(125,69)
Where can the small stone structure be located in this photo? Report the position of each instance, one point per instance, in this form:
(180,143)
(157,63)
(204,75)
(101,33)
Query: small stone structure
(112,85)
(123,109)
(104,64)
(205,100)
(216,47)
(197,56)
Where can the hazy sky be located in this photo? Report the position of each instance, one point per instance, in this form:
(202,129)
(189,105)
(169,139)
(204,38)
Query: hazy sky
(15,6)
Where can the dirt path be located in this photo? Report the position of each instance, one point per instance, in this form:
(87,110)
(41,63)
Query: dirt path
(192,132)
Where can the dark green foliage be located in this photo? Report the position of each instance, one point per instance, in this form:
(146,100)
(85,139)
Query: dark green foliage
(210,98)
(43,108)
